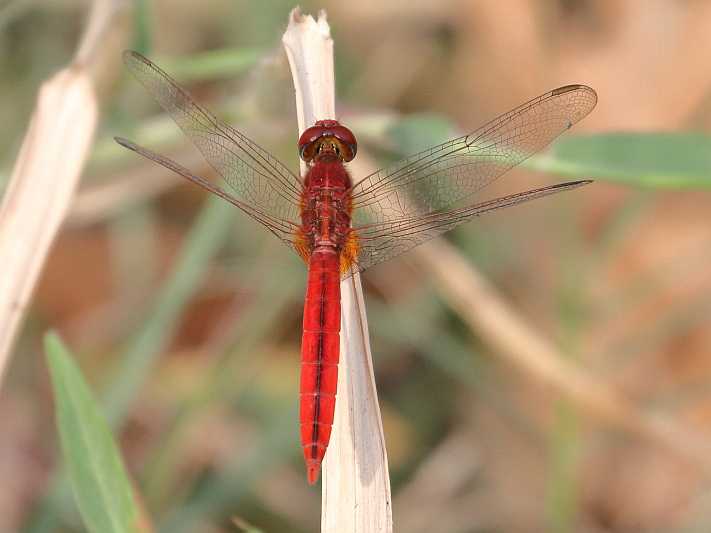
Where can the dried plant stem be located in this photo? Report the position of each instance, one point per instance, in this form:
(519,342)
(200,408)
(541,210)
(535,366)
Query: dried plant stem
(41,188)
(45,176)
(485,312)
(356,484)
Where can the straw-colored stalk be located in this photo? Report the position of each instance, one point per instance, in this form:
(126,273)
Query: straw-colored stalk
(488,314)
(46,174)
(356,484)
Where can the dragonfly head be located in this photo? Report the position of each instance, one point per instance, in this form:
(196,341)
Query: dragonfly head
(327,137)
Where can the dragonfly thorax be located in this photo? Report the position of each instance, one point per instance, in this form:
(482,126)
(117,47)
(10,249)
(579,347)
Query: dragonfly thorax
(326,203)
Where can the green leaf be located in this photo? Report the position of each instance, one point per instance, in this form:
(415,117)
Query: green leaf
(418,132)
(143,27)
(664,160)
(101,487)
(206,236)
(215,64)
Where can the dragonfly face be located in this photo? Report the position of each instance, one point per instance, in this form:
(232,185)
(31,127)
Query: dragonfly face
(327,136)
(340,227)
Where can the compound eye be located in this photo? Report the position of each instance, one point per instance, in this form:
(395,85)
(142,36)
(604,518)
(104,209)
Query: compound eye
(348,143)
(348,151)
(307,141)
(307,151)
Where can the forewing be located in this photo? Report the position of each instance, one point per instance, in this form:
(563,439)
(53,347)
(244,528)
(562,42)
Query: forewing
(438,178)
(384,240)
(254,176)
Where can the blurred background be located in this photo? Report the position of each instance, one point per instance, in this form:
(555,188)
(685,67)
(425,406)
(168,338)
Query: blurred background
(185,316)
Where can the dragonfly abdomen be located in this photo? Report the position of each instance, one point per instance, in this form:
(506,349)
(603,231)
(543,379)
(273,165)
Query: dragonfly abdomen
(320,347)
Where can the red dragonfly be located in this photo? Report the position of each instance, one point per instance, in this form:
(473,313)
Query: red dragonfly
(339,226)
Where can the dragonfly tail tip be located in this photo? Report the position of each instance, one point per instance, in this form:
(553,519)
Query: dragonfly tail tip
(312,471)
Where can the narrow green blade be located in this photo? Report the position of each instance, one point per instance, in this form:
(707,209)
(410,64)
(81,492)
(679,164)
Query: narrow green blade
(663,160)
(101,486)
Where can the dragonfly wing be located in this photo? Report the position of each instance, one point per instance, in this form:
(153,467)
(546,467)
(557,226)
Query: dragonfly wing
(438,178)
(283,229)
(254,176)
(384,240)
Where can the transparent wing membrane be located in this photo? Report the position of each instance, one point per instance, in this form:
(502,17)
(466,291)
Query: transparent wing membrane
(254,176)
(283,229)
(415,199)
(441,176)
(385,240)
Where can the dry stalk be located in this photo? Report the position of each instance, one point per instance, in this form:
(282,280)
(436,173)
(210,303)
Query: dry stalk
(486,313)
(356,484)
(46,174)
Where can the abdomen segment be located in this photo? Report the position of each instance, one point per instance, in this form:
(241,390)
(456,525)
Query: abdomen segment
(320,347)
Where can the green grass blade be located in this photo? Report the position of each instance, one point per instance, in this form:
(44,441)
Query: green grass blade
(207,235)
(419,131)
(655,160)
(215,64)
(143,24)
(101,487)
(659,160)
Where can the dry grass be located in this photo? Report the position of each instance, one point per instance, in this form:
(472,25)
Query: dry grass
(45,176)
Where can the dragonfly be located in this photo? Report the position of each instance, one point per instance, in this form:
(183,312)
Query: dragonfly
(340,226)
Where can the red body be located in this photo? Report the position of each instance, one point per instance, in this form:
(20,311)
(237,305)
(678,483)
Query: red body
(325,229)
